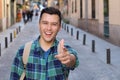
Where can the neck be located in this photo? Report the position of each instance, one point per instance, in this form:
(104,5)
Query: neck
(45,45)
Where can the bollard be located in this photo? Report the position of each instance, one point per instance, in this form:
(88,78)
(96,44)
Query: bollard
(71,31)
(62,25)
(67,29)
(16,30)
(19,28)
(93,45)
(6,42)
(65,26)
(0,49)
(14,34)
(108,56)
(77,36)
(10,37)
(84,39)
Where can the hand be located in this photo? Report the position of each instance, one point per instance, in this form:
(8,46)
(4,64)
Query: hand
(63,55)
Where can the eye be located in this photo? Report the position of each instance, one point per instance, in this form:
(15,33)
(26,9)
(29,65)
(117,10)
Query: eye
(44,23)
(54,24)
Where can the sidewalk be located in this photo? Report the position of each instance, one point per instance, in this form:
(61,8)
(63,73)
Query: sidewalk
(7,32)
(92,65)
(100,45)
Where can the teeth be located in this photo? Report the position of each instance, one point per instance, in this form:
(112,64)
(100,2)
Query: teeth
(48,32)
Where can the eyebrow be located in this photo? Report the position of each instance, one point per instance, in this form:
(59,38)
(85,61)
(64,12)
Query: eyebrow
(51,22)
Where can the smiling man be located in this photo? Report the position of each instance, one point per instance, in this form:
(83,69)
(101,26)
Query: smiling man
(49,59)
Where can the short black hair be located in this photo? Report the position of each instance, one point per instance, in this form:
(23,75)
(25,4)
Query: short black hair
(51,10)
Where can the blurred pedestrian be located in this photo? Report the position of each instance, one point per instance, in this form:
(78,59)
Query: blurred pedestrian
(23,15)
(19,16)
(28,15)
(49,59)
(31,15)
(36,14)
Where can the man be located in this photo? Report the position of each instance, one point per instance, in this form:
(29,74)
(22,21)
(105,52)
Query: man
(49,59)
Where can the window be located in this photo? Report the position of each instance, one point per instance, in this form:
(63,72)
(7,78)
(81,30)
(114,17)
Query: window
(106,8)
(106,18)
(72,6)
(81,9)
(75,5)
(93,8)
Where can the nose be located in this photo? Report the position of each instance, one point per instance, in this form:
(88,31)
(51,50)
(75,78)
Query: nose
(49,27)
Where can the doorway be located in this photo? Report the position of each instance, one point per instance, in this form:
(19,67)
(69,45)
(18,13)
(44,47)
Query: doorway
(106,18)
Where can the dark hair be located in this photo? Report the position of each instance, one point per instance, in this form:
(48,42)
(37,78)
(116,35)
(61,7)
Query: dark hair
(51,10)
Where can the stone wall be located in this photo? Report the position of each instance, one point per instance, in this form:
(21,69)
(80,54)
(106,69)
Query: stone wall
(91,26)
(114,34)
(98,29)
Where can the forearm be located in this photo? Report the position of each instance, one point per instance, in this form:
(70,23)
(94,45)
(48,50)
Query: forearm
(72,61)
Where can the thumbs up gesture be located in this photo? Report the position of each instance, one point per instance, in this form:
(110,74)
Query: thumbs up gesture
(64,56)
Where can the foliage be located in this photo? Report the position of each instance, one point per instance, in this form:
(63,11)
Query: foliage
(19,6)
(66,21)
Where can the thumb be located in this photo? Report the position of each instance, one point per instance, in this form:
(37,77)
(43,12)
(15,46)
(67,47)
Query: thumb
(60,46)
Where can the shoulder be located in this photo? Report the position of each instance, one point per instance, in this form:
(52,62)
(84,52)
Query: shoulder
(68,46)
(20,50)
(22,47)
(70,49)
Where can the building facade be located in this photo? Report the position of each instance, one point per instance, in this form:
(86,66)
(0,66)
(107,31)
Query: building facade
(8,14)
(99,17)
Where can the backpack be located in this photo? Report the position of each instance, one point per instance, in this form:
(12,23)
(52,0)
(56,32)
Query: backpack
(25,57)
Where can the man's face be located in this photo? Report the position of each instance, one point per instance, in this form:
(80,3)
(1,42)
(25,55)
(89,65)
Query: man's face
(49,26)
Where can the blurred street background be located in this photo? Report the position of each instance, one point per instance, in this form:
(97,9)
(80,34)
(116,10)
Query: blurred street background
(89,26)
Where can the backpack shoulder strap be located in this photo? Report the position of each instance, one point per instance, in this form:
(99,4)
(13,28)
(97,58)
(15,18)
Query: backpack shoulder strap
(26,52)
(25,56)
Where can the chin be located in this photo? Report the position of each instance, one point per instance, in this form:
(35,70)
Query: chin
(48,40)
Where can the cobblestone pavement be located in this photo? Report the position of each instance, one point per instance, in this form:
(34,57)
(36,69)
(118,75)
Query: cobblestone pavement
(92,65)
